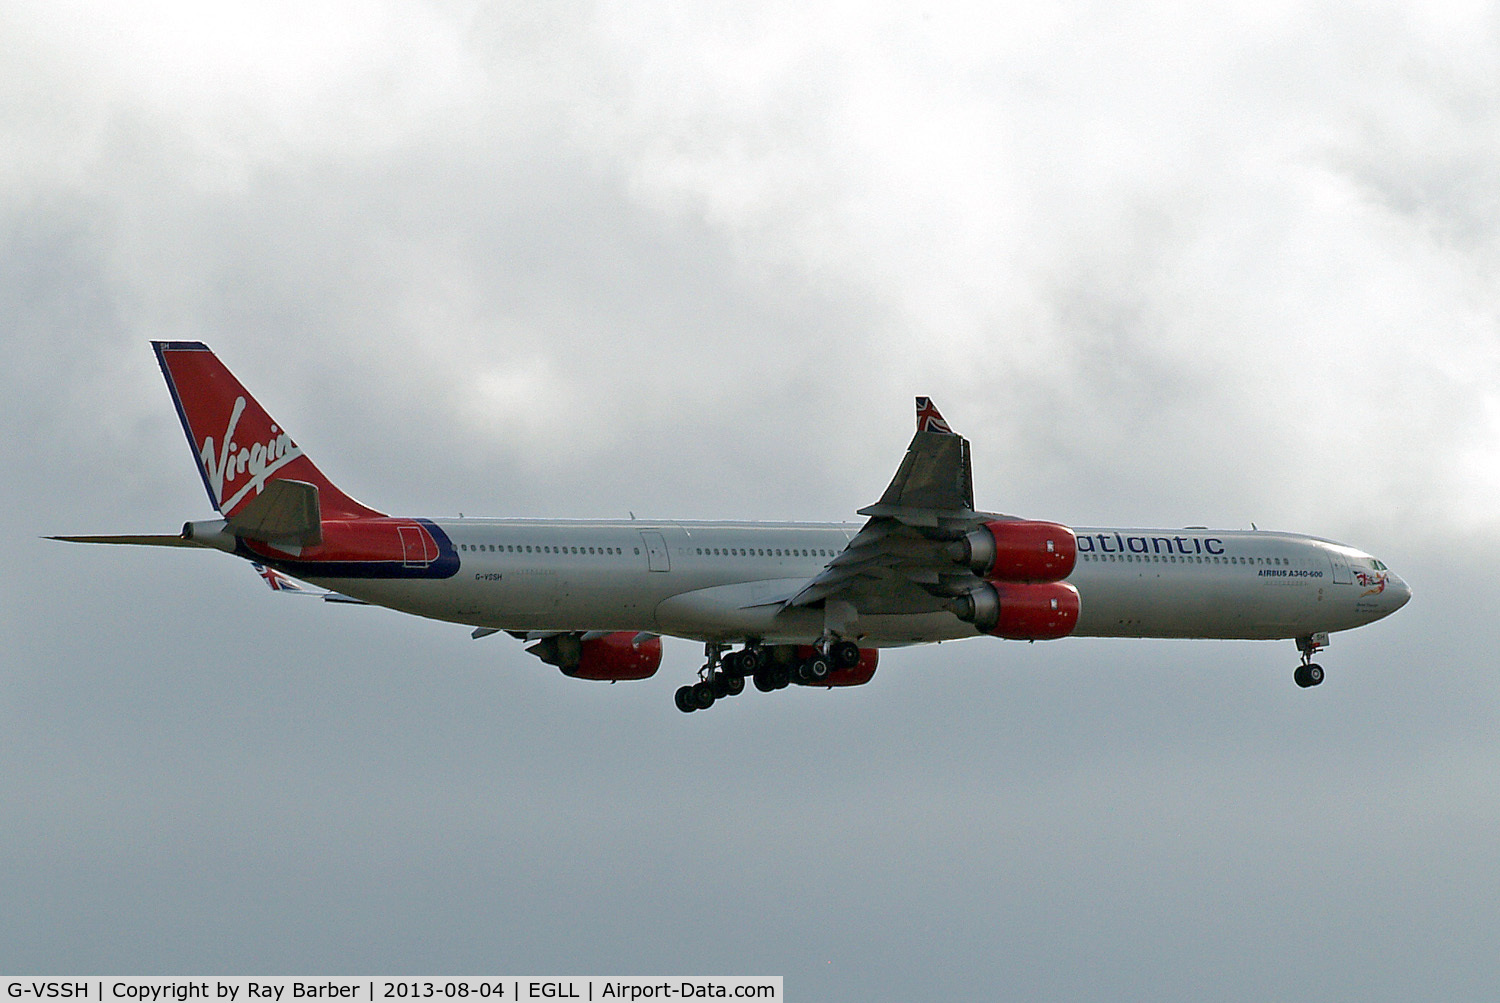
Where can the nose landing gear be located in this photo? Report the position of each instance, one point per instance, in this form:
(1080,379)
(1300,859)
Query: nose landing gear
(1309,673)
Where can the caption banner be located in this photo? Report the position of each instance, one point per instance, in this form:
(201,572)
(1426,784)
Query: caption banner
(367,989)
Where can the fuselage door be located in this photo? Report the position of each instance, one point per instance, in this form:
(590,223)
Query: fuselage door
(1341,575)
(656,551)
(414,553)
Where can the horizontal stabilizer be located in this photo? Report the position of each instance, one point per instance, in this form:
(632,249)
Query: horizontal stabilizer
(285,514)
(174,540)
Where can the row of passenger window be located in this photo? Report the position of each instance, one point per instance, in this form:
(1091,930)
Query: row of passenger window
(763,552)
(516,548)
(1159,559)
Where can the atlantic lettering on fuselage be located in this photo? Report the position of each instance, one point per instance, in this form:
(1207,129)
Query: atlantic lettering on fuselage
(1114,543)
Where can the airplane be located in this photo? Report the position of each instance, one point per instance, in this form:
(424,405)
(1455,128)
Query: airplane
(774,602)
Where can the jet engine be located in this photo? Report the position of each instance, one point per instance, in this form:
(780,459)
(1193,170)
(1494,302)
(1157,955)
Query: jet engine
(1018,550)
(1038,612)
(857,674)
(620,655)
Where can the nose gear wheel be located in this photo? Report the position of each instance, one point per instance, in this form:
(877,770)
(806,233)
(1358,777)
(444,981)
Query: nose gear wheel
(1309,673)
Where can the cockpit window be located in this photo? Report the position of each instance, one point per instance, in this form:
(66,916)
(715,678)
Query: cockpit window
(1378,565)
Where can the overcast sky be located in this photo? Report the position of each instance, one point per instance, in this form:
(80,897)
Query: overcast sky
(1213,264)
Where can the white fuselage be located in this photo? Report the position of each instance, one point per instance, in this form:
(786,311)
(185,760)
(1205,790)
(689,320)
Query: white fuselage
(724,581)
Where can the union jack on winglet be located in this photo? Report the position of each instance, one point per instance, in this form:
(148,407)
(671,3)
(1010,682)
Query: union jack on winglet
(285,586)
(928,419)
(277,581)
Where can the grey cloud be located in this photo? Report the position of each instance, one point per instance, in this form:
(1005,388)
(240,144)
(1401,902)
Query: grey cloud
(1160,267)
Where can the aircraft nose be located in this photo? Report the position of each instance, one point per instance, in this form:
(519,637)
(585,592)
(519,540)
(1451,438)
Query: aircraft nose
(1397,591)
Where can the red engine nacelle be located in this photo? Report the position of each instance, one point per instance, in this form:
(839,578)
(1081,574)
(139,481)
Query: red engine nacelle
(610,657)
(857,674)
(1019,550)
(1042,612)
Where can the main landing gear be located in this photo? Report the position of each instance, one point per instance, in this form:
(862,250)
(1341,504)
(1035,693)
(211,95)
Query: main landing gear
(723,675)
(1310,673)
(771,668)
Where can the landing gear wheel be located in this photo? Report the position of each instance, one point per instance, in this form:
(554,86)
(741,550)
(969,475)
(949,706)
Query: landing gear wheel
(816,668)
(781,677)
(685,700)
(720,683)
(1310,673)
(749,662)
(844,655)
(765,681)
(734,685)
(1307,675)
(703,695)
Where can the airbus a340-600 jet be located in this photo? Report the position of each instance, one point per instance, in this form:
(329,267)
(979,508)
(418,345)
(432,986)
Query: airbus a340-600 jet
(774,602)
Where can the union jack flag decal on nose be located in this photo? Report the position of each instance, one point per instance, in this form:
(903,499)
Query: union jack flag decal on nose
(928,419)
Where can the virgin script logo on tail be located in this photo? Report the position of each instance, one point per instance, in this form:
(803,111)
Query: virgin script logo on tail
(260,460)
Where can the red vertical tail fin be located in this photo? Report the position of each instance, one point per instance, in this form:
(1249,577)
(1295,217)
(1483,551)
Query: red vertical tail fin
(239,448)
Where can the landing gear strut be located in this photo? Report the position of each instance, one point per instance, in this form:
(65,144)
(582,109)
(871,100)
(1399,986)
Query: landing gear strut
(1310,673)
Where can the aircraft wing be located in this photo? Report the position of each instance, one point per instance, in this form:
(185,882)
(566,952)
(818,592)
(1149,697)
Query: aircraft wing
(901,561)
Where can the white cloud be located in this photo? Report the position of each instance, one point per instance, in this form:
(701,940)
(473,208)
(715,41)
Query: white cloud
(1082,230)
